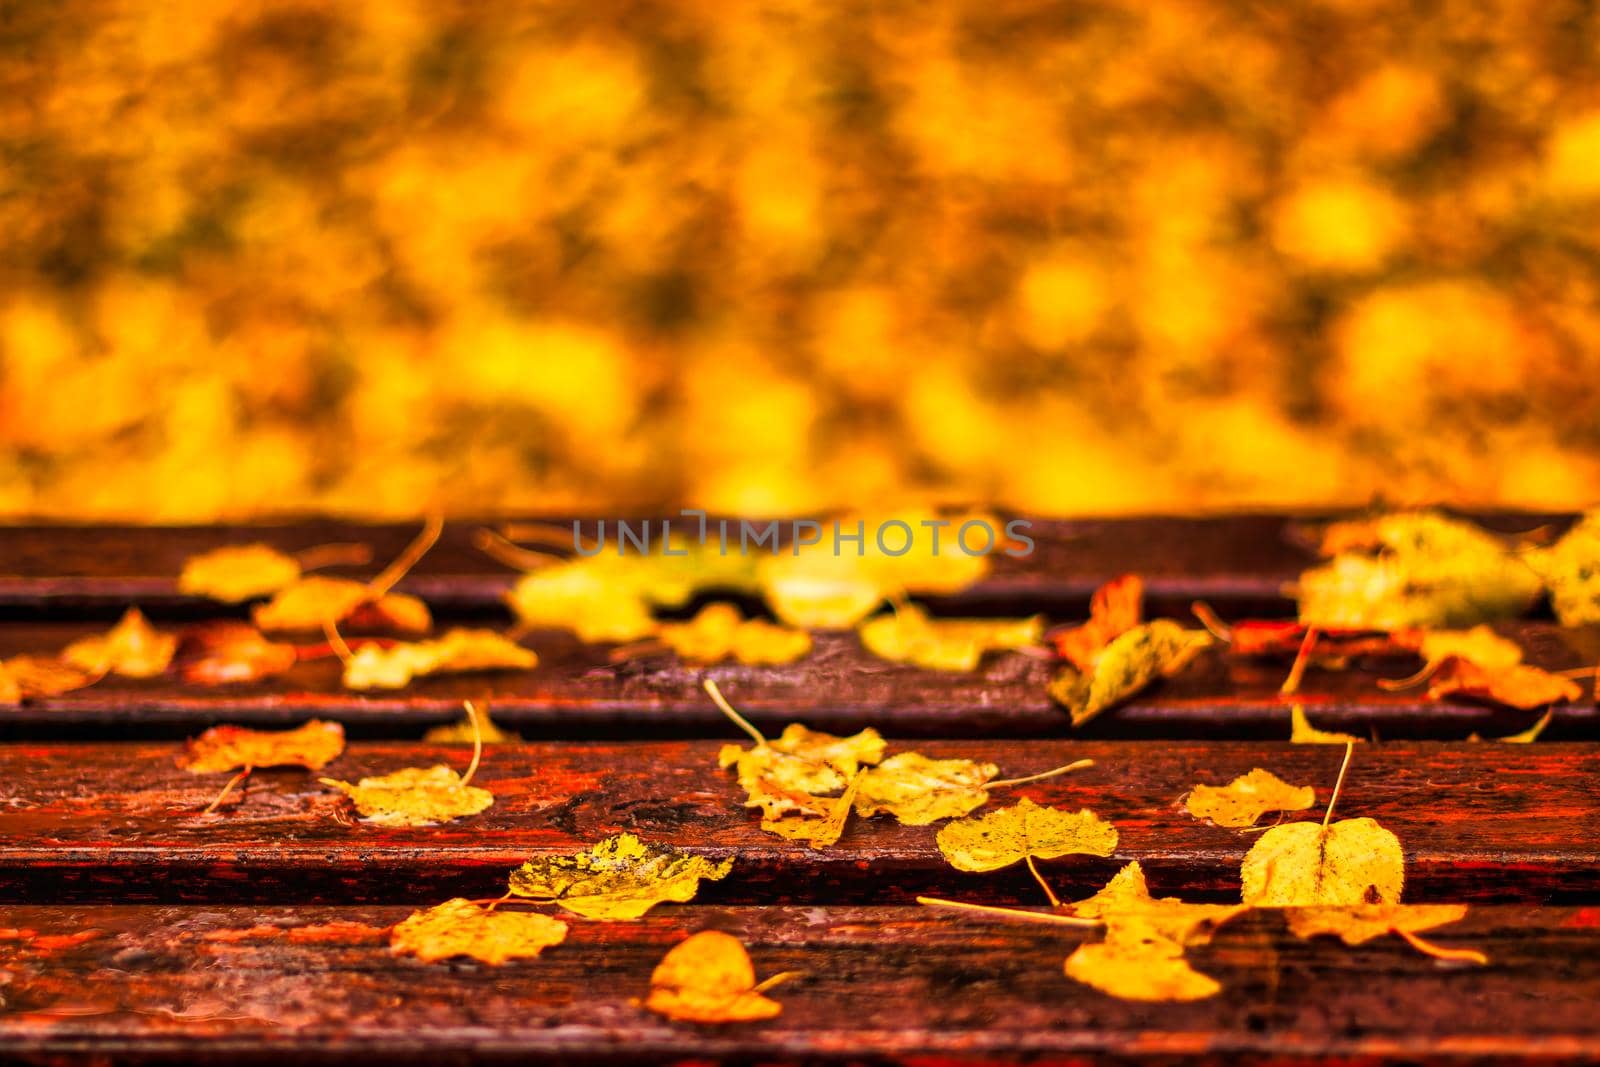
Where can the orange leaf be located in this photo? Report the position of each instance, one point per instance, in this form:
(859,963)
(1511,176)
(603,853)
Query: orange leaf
(1115,609)
(1518,686)
(226,748)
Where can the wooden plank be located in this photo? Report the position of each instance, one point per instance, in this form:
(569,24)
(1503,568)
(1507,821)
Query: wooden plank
(576,692)
(882,984)
(122,822)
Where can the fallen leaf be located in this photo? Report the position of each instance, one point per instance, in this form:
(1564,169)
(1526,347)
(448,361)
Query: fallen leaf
(619,878)
(42,676)
(1248,797)
(221,653)
(821,831)
(1427,571)
(719,632)
(237,573)
(709,979)
(1516,687)
(414,796)
(1125,902)
(1116,607)
(1361,923)
(459,651)
(311,602)
(464,732)
(132,648)
(1130,662)
(461,928)
(1479,645)
(917,790)
(312,745)
(1301,732)
(800,770)
(908,635)
(1570,569)
(1156,971)
(1024,832)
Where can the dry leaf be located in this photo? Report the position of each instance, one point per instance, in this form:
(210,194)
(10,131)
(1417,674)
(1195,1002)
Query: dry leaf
(415,796)
(917,790)
(311,602)
(42,676)
(465,732)
(461,928)
(1429,572)
(619,878)
(1115,608)
(709,979)
(220,653)
(1301,732)
(1248,797)
(719,632)
(801,770)
(1130,662)
(1570,569)
(1362,923)
(1516,687)
(1480,645)
(459,651)
(1024,831)
(822,831)
(1353,861)
(312,745)
(908,635)
(1155,971)
(236,573)
(132,648)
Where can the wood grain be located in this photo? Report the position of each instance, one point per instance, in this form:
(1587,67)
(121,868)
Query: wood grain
(883,984)
(122,822)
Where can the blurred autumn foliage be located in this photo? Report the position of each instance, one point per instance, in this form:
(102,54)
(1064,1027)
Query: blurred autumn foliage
(381,255)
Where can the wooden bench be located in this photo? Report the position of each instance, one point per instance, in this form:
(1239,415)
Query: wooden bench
(134,928)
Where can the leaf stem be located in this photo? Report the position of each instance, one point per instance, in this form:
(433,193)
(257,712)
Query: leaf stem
(432,527)
(727,709)
(1212,621)
(1291,684)
(1012,913)
(1055,901)
(1429,669)
(1003,783)
(1349,750)
(235,780)
(336,641)
(546,533)
(477,741)
(514,556)
(781,976)
(1439,952)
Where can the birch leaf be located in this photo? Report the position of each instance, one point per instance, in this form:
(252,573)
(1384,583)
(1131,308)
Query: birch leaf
(1153,972)
(461,928)
(709,979)
(1346,863)
(1130,662)
(619,878)
(719,632)
(312,745)
(1518,686)
(1115,608)
(415,796)
(908,635)
(1301,732)
(801,769)
(917,790)
(1125,906)
(132,648)
(310,602)
(1570,569)
(1244,800)
(1362,923)
(463,732)
(236,573)
(585,598)
(43,676)
(458,651)
(1023,830)
(221,653)
(822,831)
(1479,645)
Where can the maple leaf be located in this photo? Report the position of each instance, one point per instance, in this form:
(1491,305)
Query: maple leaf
(1116,607)
(718,632)
(1429,571)
(220,653)
(318,603)
(132,648)
(619,878)
(236,573)
(25,677)
(1024,832)
(460,927)
(1570,569)
(1358,924)
(709,978)
(1301,732)
(312,745)
(420,796)
(1345,863)
(1130,662)
(1248,797)
(458,651)
(908,635)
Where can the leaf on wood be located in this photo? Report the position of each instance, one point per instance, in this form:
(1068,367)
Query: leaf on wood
(821,831)
(464,732)
(1130,662)
(709,979)
(223,653)
(1244,800)
(458,651)
(460,927)
(311,602)
(719,632)
(1301,732)
(1570,569)
(132,648)
(1330,648)
(619,878)
(1361,923)
(801,770)
(1415,569)
(414,796)
(1023,831)
(917,790)
(237,573)
(1479,645)
(908,635)
(1115,608)
(1516,687)
(312,745)
(26,677)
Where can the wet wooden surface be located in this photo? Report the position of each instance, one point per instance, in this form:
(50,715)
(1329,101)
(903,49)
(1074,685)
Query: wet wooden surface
(1478,822)
(319,984)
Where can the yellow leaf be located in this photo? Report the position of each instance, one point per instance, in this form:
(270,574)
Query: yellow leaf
(1022,831)
(1361,923)
(1516,687)
(709,979)
(415,796)
(1345,863)
(1480,645)
(718,632)
(1130,662)
(310,603)
(619,878)
(1129,912)
(917,790)
(1153,972)
(132,648)
(238,572)
(1570,569)
(463,732)
(44,676)
(818,832)
(459,651)
(581,597)
(1301,732)
(312,745)
(817,591)
(908,635)
(1115,608)
(801,769)
(1248,797)
(461,928)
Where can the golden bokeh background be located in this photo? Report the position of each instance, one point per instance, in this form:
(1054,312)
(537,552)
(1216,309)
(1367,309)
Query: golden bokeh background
(378,256)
